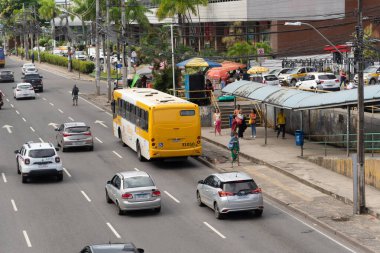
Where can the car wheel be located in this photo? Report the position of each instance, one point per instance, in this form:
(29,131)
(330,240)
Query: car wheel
(293,82)
(217,213)
(18,167)
(41,89)
(120,212)
(108,199)
(91,148)
(64,149)
(121,138)
(24,178)
(138,150)
(60,177)
(199,200)
(259,212)
(157,210)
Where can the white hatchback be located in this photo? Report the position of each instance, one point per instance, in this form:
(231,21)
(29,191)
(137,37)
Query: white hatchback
(25,66)
(322,81)
(24,90)
(30,70)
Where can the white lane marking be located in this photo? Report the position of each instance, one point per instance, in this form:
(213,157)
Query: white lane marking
(70,118)
(113,230)
(172,197)
(14,205)
(98,139)
(41,139)
(213,229)
(37,95)
(24,119)
(12,105)
(85,195)
(117,154)
(8,127)
(27,239)
(67,173)
(31,128)
(18,112)
(44,99)
(320,232)
(92,104)
(136,169)
(4,178)
(7,100)
(51,104)
(60,110)
(101,123)
(109,114)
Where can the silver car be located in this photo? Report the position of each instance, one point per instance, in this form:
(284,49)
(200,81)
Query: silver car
(230,192)
(74,134)
(133,190)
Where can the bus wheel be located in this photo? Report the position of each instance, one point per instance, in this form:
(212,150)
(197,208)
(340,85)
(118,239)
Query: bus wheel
(121,138)
(138,150)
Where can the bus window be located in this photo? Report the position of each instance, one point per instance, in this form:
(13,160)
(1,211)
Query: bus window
(187,112)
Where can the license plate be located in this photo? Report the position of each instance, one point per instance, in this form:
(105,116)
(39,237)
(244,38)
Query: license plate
(142,196)
(42,166)
(243,197)
(79,143)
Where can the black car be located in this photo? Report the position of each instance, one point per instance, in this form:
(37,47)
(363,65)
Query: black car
(7,76)
(112,248)
(35,80)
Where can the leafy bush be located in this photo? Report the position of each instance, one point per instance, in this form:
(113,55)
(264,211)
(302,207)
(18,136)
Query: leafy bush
(83,66)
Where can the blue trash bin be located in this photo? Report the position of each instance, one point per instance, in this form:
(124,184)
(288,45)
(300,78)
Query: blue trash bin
(299,137)
(230,118)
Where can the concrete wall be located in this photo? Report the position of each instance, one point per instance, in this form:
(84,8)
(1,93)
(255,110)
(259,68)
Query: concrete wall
(344,167)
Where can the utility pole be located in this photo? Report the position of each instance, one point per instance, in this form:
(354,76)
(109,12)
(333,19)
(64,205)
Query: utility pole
(108,52)
(173,66)
(360,119)
(124,68)
(26,38)
(69,58)
(37,34)
(97,64)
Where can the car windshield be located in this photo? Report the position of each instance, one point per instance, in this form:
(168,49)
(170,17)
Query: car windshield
(78,129)
(285,71)
(24,86)
(31,69)
(40,153)
(292,71)
(309,77)
(327,77)
(371,69)
(139,181)
(274,72)
(236,186)
(271,78)
(33,76)
(6,72)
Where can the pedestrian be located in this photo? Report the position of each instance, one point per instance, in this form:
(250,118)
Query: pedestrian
(222,83)
(217,122)
(143,81)
(281,121)
(134,57)
(234,147)
(233,125)
(242,126)
(343,78)
(237,110)
(252,123)
(75,93)
(32,57)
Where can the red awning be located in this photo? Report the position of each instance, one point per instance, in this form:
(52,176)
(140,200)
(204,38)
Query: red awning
(341,48)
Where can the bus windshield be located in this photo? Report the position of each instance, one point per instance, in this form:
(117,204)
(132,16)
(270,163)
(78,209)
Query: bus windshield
(174,116)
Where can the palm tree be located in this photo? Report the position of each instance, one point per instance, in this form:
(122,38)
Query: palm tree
(49,11)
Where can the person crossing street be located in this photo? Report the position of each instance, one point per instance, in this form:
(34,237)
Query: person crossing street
(75,94)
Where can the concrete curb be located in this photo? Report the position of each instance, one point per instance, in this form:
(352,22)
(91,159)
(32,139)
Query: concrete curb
(301,180)
(357,244)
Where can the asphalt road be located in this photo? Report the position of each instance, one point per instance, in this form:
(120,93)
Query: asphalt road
(46,216)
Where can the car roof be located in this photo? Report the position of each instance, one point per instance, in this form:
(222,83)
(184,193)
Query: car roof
(74,124)
(39,145)
(114,248)
(320,73)
(127,174)
(232,176)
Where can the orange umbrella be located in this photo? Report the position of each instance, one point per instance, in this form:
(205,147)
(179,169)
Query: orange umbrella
(232,65)
(218,73)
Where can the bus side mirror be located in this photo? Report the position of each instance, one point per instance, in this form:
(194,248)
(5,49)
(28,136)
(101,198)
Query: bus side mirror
(113,106)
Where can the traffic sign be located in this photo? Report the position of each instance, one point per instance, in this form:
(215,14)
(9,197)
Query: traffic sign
(260,51)
(118,66)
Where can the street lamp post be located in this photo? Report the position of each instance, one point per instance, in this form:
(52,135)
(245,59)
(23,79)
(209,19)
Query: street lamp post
(173,67)
(360,209)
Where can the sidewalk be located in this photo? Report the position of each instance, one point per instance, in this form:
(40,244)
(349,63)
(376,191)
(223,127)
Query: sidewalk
(284,156)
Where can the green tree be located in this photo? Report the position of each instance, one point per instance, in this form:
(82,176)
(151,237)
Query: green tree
(49,11)
(236,34)
(241,50)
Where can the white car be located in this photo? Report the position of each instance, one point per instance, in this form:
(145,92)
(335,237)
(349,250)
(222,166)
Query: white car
(80,55)
(321,81)
(24,90)
(34,159)
(30,70)
(25,66)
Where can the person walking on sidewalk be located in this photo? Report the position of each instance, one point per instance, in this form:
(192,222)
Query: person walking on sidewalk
(343,78)
(252,123)
(217,122)
(234,146)
(32,57)
(75,93)
(281,121)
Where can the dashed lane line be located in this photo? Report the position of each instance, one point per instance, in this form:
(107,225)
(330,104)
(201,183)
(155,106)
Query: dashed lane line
(4,178)
(31,128)
(172,197)
(23,119)
(67,173)
(27,239)
(60,110)
(136,169)
(18,112)
(44,99)
(51,104)
(85,195)
(12,106)
(7,100)
(98,139)
(117,154)
(14,205)
(41,139)
(113,230)
(214,230)
(70,118)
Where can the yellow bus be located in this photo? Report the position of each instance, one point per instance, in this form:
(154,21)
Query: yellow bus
(155,124)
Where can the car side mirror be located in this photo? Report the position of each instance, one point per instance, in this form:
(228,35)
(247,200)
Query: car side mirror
(17,151)
(109,182)
(140,250)
(56,149)
(200,182)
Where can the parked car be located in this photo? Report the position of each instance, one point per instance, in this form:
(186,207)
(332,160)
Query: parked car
(265,79)
(25,66)
(80,55)
(35,80)
(371,75)
(74,135)
(112,248)
(30,70)
(38,159)
(133,190)
(291,77)
(7,76)
(24,90)
(230,192)
(278,72)
(322,81)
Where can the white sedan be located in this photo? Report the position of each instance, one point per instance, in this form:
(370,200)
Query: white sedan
(321,81)
(24,90)
(25,66)
(30,70)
